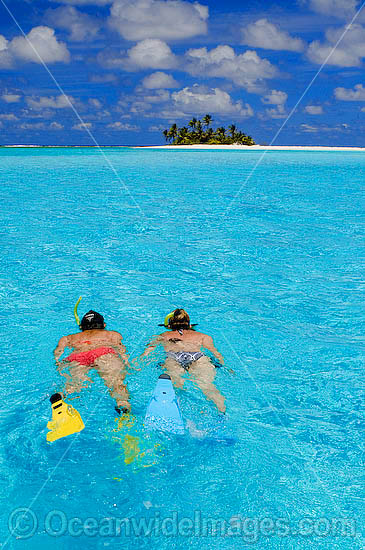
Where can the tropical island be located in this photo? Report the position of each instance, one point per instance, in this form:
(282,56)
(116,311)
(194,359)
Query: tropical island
(201,132)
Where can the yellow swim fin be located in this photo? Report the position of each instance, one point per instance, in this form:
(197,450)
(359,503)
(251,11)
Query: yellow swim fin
(65,419)
(131,448)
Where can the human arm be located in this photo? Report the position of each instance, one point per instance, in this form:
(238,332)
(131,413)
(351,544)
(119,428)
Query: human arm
(209,345)
(156,341)
(122,352)
(60,348)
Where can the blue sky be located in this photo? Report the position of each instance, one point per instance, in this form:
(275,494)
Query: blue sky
(130,69)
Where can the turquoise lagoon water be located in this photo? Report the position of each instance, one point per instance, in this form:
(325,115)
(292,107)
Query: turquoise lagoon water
(277,280)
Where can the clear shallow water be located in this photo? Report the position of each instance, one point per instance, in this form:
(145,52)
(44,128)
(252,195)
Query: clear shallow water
(277,281)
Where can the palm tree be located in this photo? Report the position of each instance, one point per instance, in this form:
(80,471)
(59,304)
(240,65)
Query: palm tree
(199,130)
(173,132)
(208,135)
(192,123)
(207,119)
(197,134)
(221,133)
(232,128)
(183,134)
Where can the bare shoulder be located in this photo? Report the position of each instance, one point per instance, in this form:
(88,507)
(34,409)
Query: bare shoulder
(205,338)
(200,334)
(70,337)
(114,335)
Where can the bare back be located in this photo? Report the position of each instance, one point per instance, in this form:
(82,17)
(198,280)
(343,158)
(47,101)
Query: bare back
(189,340)
(89,340)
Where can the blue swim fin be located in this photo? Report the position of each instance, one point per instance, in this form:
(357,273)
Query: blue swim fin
(163,412)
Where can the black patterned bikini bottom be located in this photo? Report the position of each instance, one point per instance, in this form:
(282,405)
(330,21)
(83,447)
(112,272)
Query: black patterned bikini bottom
(185,358)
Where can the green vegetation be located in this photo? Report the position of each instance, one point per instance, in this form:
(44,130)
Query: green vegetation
(201,132)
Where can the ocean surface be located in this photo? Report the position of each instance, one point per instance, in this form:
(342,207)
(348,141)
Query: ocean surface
(271,266)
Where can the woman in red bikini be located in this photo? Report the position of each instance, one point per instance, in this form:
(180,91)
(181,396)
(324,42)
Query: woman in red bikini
(99,349)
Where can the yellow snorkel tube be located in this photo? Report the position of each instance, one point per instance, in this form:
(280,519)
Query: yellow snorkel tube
(166,323)
(167,319)
(77,318)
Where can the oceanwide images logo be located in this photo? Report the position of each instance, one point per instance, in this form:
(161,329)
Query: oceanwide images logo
(23,523)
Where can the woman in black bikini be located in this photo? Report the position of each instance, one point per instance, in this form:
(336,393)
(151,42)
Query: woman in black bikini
(183,347)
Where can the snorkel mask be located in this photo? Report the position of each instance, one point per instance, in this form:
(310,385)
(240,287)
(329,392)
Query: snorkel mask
(91,319)
(168,317)
(166,322)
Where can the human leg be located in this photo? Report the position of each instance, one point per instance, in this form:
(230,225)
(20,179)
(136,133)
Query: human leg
(112,371)
(76,378)
(175,371)
(203,372)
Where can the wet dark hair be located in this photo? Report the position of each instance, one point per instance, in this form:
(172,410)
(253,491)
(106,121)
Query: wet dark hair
(180,320)
(92,320)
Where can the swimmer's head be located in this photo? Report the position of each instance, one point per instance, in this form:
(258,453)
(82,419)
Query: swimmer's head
(92,320)
(179,320)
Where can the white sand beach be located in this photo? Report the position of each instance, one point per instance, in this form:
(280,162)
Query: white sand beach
(257,147)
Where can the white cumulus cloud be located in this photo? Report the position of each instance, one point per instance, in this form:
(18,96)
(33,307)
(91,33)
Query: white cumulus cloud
(52,102)
(8,116)
(198,99)
(246,70)
(5,56)
(95,103)
(277,98)
(120,126)
(277,112)
(41,41)
(156,128)
(263,34)
(345,94)
(348,53)
(82,126)
(159,80)
(163,19)
(314,109)
(103,78)
(309,129)
(56,126)
(343,9)
(40,126)
(81,26)
(32,126)
(84,2)
(147,54)
(11,98)
(142,102)
(151,53)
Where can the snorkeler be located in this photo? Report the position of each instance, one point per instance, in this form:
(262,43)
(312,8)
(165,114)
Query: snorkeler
(99,349)
(183,346)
